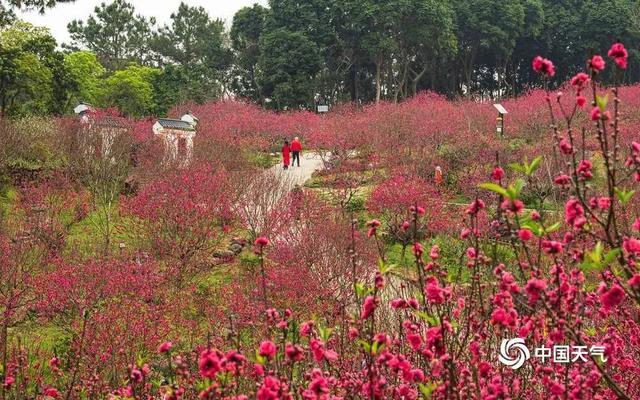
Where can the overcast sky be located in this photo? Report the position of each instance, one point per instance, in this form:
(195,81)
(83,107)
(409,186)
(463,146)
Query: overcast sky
(58,17)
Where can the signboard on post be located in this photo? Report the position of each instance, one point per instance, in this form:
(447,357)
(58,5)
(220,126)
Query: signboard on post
(500,120)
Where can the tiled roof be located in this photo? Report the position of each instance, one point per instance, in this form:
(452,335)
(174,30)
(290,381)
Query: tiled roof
(175,124)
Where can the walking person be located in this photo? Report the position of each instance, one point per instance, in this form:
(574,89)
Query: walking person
(286,152)
(296,148)
(438,176)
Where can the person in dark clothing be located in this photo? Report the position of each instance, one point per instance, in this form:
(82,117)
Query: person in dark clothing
(296,148)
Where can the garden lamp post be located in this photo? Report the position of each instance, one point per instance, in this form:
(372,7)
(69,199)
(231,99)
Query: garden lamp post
(500,120)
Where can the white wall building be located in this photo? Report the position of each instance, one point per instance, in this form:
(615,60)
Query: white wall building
(178,135)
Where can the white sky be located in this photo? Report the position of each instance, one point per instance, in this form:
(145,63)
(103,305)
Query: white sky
(57,18)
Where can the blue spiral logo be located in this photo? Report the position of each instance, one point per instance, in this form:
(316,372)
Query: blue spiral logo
(510,346)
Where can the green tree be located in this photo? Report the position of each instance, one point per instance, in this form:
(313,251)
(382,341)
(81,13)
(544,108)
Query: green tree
(115,34)
(7,16)
(86,75)
(197,44)
(248,25)
(26,78)
(131,90)
(288,65)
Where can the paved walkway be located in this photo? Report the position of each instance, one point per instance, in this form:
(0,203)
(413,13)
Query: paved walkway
(309,163)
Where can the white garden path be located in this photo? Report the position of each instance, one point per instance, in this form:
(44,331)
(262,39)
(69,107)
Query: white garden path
(310,162)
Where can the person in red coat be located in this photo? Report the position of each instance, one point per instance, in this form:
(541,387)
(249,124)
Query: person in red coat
(296,148)
(286,151)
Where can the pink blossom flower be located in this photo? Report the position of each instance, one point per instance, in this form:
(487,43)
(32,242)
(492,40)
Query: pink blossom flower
(369,305)
(514,206)
(136,375)
(604,203)
(565,147)
(374,223)
(436,294)
(415,341)
(210,363)
(580,80)
(584,170)
(500,316)
(562,180)
(353,333)
(581,101)
(534,288)
(631,245)
(525,234)
(258,369)
(267,349)
(597,63)
(612,297)
(413,303)
(476,206)
(165,347)
(634,282)
(619,55)
(399,304)
(306,327)
(262,241)
(435,252)
(574,214)
(551,247)
(418,249)
(293,352)
(497,174)
(51,392)
(471,252)
(543,66)
(9,380)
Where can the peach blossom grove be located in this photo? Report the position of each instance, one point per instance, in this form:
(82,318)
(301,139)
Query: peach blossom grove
(424,257)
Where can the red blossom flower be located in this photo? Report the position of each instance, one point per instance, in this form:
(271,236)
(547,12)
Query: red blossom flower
(612,297)
(525,234)
(165,347)
(580,80)
(51,392)
(262,241)
(632,246)
(574,214)
(562,180)
(293,352)
(476,206)
(210,363)
(369,305)
(565,147)
(543,66)
(619,55)
(597,63)
(267,349)
(497,174)
(551,247)
(634,281)
(534,289)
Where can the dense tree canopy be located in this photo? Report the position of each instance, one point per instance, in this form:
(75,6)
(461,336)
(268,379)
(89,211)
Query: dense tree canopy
(115,33)
(293,54)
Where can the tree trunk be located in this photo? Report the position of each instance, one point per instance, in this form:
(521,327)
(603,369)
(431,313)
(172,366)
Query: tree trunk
(378,83)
